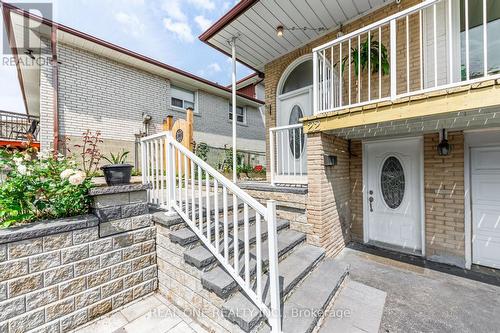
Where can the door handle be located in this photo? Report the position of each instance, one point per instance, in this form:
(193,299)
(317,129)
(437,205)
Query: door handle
(371,203)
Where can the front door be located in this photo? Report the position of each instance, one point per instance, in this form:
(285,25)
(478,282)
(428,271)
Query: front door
(291,149)
(393,195)
(485,195)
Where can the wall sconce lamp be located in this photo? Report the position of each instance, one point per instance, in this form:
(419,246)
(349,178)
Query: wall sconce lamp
(443,148)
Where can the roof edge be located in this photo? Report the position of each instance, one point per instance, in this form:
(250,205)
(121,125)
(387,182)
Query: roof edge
(12,8)
(227,18)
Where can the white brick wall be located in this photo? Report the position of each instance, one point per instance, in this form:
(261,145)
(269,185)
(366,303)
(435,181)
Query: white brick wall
(101,94)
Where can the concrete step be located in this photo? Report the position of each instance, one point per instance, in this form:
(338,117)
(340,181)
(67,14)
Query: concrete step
(186,236)
(162,217)
(200,256)
(292,270)
(303,258)
(303,309)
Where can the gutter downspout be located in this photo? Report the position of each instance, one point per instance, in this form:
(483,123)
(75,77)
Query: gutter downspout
(55,87)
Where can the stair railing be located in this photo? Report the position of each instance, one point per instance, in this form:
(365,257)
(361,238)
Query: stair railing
(183,183)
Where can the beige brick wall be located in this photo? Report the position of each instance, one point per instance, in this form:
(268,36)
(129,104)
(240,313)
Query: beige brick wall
(329,192)
(356,178)
(444,200)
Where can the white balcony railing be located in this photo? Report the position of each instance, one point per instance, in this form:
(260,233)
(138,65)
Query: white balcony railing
(181,182)
(437,44)
(288,154)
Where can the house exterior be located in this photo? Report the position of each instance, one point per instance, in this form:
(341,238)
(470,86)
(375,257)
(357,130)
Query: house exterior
(104,87)
(370,145)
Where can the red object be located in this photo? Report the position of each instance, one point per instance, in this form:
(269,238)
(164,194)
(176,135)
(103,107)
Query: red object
(258,168)
(248,90)
(17,144)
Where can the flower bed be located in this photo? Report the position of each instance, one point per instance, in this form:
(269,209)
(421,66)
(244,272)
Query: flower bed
(40,186)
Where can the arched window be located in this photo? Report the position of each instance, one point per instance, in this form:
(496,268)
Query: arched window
(300,77)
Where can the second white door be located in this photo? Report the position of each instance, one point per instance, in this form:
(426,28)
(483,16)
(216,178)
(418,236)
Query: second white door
(393,195)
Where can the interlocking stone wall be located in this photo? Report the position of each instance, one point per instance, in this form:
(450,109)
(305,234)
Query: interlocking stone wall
(58,275)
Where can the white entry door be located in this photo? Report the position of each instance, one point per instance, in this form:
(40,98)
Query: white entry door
(485,195)
(393,197)
(291,144)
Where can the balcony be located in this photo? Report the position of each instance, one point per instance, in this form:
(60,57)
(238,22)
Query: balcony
(435,46)
(16,128)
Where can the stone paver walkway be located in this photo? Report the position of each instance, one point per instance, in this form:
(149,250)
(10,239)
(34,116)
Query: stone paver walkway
(151,314)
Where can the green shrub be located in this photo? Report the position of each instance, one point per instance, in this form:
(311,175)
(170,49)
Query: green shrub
(40,186)
(202,150)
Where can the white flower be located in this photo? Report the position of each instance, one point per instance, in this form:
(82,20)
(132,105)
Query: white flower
(43,154)
(77,178)
(27,157)
(22,169)
(66,173)
(18,160)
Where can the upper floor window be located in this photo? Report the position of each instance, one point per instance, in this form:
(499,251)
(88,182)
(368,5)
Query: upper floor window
(241,114)
(183,98)
(476,37)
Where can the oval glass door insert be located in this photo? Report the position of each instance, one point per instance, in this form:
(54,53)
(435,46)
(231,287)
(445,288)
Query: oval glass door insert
(392,182)
(296,136)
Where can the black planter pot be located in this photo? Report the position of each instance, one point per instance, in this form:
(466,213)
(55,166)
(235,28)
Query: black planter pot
(117,174)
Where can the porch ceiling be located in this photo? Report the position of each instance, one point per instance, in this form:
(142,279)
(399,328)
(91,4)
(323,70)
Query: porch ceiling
(255,23)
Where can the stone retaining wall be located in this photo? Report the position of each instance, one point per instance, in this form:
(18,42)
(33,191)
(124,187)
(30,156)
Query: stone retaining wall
(58,275)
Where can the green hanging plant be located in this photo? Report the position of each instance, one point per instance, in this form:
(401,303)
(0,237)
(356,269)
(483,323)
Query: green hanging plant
(374,57)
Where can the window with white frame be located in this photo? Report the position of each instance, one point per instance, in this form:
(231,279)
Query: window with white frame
(241,114)
(183,98)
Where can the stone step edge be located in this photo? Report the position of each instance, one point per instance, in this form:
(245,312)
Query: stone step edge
(258,319)
(225,292)
(265,328)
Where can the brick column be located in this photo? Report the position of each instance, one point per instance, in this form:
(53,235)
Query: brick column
(444,200)
(356,180)
(328,210)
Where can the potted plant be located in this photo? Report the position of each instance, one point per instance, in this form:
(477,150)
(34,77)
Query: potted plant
(118,172)
(360,62)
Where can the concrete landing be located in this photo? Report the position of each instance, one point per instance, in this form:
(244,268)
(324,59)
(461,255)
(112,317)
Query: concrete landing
(357,308)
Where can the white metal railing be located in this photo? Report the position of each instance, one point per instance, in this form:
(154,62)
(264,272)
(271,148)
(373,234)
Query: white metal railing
(418,50)
(288,154)
(183,183)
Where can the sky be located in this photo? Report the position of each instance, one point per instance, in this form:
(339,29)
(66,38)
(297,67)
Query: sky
(165,30)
